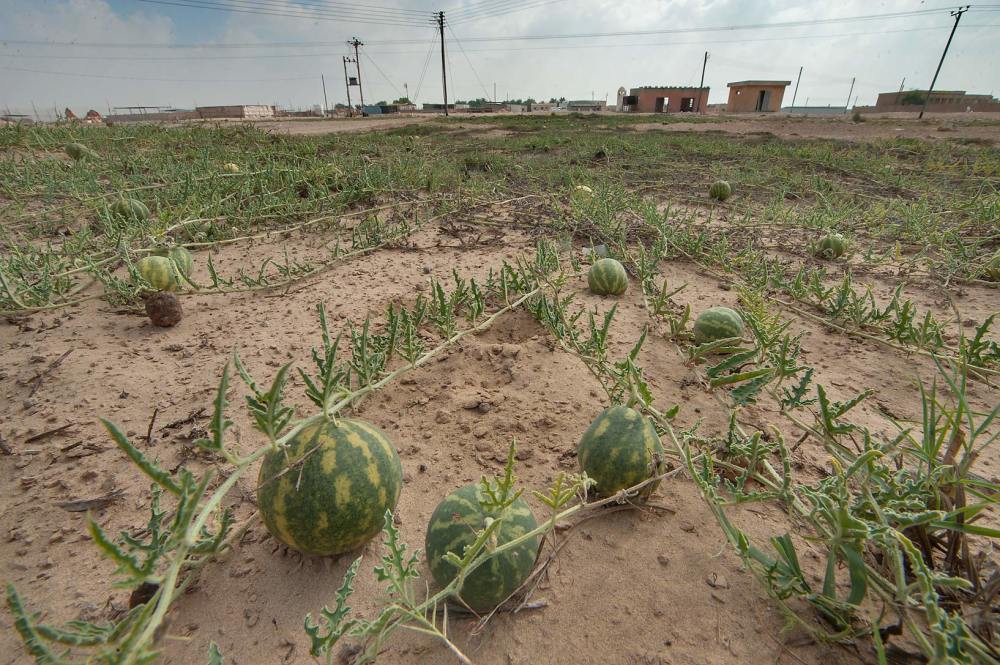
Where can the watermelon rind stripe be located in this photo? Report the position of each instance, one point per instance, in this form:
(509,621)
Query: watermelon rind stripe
(456,523)
(328,490)
(620,449)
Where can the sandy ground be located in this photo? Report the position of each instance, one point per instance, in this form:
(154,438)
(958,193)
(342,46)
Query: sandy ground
(939,126)
(645,587)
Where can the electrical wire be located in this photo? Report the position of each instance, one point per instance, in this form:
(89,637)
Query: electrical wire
(560,47)
(163,80)
(503,10)
(347,10)
(427,59)
(471,66)
(246,7)
(379,69)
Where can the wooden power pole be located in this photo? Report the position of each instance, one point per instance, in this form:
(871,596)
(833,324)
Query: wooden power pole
(701,86)
(347,82)
(357,61)
(444,74)
(958,17)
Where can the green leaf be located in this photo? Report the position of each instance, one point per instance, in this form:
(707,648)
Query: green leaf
(334,621)
(158,475)
(214,655)
(219,421)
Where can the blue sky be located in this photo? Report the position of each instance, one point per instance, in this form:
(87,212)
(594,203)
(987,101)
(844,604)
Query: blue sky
(878,52)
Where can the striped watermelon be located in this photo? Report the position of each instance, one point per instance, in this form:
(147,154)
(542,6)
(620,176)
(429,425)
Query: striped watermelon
(160,272)
(180,256)
(717,323)
(831,246)
(620,449)
(79,151)
(720,190)
(607,277)
(131,209)
(335,499)
(992,269)
(454,526)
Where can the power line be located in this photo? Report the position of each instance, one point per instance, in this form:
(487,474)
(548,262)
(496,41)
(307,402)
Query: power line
(503,10)
(379,69)
(914,13)
(427,59)
(163,80)
(246,7)
(345,10)
(471,66)
(504,49)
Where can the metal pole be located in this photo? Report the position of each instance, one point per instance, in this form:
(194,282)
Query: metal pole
(347,82)
(958,17)
(494,92)
(851,92)
(701,86)
(444,74)
(357,61)
(326,102)
(796,93)
(901,84)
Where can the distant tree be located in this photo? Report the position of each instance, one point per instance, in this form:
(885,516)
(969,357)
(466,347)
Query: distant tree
(913,97)
(530,100)
(382,103)
(403,100)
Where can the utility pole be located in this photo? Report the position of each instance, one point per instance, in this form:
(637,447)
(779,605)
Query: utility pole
(494,92)
(357,61)
(796,94)
(701,86)
(444,72)
(406,88)
(901,84)
(347,83)
(958,17)
(850,92)
(326,103)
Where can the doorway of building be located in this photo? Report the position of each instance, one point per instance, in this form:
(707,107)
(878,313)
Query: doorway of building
(662,103)
(687,104)
(763,100)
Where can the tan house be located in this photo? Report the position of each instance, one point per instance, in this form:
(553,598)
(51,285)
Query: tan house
(941,101)
(666,99)
(756,96)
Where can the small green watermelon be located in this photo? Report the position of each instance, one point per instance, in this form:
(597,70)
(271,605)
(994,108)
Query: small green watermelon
(131,209)
(620,449)
(327,491)
(717,323)
(831,246)
(607,277)
(454,526)
(160,272)
(720,190)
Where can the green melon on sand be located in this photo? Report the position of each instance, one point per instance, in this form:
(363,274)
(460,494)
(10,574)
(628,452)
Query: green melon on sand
(621,449)
(831,246)
(607,277)
(720,190)
(327,492)
(992,269)
(453,527)
(132,209)
(180,256)
(717,323)
(160,272)
(78,151)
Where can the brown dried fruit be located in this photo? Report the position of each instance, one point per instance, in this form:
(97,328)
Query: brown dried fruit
(164,309)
